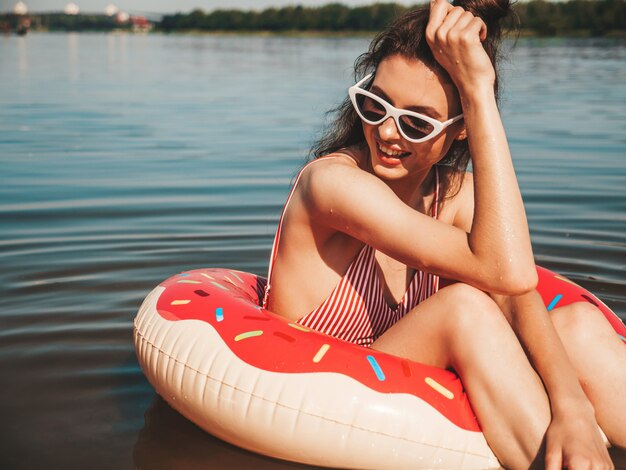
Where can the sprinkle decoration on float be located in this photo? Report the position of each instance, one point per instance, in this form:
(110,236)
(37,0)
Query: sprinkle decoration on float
(274,387)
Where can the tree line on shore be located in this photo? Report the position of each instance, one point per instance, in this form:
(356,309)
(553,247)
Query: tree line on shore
(537,17)
(62,22)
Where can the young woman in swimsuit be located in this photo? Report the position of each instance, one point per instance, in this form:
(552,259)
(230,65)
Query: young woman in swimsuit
(387,209)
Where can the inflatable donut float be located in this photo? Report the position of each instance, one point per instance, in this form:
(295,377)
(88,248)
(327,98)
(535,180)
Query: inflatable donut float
(271,386)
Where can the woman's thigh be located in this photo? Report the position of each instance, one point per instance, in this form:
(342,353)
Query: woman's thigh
(434,329)
(463,328)
(599,358)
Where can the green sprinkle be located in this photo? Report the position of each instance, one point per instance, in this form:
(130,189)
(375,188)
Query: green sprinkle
(248,334)
(217,284)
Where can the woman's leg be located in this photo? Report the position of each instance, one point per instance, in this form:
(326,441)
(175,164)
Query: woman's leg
(461,327)
(599,358)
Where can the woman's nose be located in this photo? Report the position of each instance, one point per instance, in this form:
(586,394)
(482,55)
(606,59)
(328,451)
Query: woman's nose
(388,129)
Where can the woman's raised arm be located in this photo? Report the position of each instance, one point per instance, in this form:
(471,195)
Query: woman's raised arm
(347,199)
(455,37)
(496,255)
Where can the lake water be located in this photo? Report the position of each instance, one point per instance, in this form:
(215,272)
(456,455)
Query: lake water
(125,159)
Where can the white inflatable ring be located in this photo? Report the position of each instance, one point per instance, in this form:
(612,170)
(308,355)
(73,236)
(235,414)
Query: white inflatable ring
(270,386)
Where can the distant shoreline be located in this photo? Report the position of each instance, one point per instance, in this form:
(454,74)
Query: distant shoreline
(534,18)
(522,33)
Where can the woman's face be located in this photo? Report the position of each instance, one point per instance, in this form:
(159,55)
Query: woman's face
(404,84)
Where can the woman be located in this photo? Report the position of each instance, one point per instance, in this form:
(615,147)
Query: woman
(389,210)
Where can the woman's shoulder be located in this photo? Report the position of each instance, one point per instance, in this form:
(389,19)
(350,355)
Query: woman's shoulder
(331,167)
(335,180)
(352,156)
(357,153)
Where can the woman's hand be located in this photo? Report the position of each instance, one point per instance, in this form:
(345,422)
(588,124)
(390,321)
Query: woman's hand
(573,441)
(455,36)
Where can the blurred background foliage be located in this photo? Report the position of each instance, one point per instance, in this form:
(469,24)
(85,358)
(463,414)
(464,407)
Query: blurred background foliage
(534,17)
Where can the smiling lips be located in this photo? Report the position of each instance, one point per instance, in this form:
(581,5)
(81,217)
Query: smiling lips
(388,155)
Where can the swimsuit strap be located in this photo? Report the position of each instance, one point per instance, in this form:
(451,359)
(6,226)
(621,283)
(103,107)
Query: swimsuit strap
(432,279)
(274,251)
(280,224)
(356,310)
(435,205)
(417,281)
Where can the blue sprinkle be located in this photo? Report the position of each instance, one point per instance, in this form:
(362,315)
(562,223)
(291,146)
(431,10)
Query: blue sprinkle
(219,314)
(555,301)
(376,367)
(183,274)
(622,338)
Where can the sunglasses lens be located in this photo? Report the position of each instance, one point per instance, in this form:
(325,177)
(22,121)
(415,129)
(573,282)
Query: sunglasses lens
(371,109)
(414,127)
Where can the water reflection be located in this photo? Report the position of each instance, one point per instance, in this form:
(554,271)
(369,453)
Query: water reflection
(22,63)
(73,56)
(168,441)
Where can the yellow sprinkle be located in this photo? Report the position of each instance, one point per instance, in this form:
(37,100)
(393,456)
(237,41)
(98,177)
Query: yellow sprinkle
(320,354)
(248,334)
(234,274)
(230,280)
(180,302)
(217,284)
(440,388)
(188,281)
(207,276)
(561,278)
(298,327)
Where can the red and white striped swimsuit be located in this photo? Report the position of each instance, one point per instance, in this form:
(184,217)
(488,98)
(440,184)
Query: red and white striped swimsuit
(356,310)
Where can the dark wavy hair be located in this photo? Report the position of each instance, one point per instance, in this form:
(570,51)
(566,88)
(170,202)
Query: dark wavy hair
(406,36)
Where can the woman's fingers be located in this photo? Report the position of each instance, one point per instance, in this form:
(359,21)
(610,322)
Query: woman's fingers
(468,30)
(448,24)
(459,29)
(454,36)
(438,12)
(456,24)
(477,26)
(464,20)
(554,459)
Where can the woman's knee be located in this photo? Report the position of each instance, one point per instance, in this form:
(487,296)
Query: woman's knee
(580,322)
(472,313)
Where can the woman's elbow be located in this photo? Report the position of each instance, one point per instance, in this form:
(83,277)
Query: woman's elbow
(518,282)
